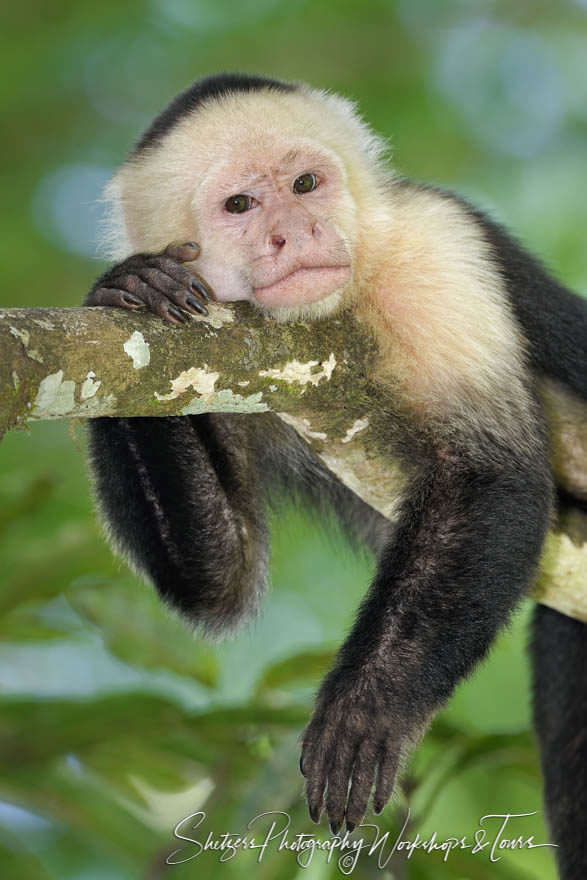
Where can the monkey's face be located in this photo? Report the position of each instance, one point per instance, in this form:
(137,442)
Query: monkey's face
(271,186)
(266,227)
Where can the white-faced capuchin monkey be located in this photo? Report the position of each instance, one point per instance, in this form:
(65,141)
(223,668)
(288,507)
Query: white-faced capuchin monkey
(285,190)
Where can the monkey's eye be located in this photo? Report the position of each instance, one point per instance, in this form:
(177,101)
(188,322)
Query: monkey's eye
(305,183)
(238,204)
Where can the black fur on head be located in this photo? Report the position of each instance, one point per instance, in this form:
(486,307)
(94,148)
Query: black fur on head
(203,90)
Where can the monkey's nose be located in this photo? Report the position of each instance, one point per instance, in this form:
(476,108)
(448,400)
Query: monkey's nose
(277,241)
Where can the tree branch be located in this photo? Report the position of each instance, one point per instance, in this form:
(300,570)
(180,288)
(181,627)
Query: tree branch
(84,363)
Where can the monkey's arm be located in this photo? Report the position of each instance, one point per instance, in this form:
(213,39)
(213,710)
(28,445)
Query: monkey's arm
(464,550)
(178,498)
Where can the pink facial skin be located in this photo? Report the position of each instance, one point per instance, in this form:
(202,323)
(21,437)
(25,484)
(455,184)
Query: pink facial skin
(282,249)
(303,285)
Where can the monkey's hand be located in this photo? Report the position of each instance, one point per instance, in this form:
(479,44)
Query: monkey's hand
(157,282)
(354,737)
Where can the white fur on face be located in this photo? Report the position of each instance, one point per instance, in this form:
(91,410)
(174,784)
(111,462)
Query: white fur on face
(255,144)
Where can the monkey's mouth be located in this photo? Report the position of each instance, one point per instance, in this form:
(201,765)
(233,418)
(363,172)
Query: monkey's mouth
(303,285)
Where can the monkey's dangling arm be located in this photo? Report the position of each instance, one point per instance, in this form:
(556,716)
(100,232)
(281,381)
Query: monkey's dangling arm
(180,506)
(464,550)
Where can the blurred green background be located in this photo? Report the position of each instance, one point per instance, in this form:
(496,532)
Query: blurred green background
(115,723)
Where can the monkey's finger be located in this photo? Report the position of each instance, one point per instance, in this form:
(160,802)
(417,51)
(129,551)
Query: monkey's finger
(202,287)
(180,296)
(189,302)
(193,283)
(173,314)
(183,253)
(157,302)
(302,770)
(363,776)
(185,277)
(317,774)
(386,775)
(109,296)
(162,306)
(338,782)
(308,743)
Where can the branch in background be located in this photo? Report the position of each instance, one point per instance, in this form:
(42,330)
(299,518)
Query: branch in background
(83,363)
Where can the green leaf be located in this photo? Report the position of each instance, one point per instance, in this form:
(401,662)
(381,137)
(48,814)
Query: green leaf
(25,625)
(67,796)
(49,565)
(514,751)
(29,500)
(16,862)
(140,631)
(305,667)
(40,729)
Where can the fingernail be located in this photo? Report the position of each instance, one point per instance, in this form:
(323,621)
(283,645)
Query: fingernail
(196,304)
(132,299)
(302,765)
(175,313)
(315,814)
(378,807)
(197,285)
(350,826)
(334,826)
